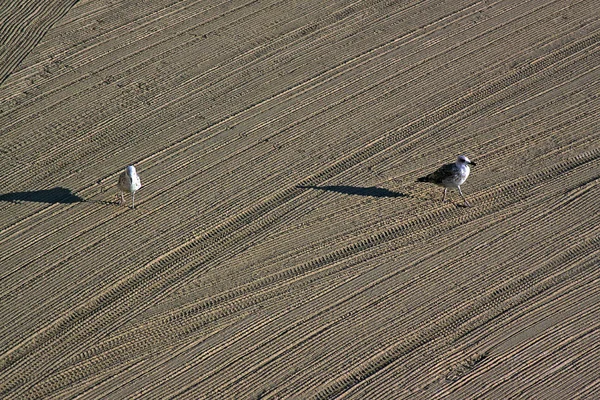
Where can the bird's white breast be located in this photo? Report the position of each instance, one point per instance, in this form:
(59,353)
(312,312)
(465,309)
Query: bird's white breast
(464,174)
(135,183)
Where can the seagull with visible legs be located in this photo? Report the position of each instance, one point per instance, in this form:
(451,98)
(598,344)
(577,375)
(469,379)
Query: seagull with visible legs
(451,176)
(129,181)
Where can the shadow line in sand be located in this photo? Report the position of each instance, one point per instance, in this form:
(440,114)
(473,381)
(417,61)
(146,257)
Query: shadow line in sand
(370,191)
(57,195)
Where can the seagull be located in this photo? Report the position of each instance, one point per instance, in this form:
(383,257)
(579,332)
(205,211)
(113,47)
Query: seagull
(451,176)
(129,181)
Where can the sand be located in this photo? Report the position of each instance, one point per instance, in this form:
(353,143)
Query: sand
(280,246)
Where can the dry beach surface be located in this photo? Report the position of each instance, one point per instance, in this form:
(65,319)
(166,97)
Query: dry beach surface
(280,247)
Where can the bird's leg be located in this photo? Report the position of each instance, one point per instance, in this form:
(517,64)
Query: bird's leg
(444,197)
(461,195)
(133,200)
(122,199)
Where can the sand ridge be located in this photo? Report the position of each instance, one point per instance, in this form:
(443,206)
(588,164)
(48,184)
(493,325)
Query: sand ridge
(280,247)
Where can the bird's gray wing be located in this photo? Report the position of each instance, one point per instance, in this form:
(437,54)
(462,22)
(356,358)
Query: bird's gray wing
(124,181)
(444,172)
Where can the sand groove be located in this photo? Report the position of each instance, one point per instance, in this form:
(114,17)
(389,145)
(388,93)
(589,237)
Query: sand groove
(281,248)
(23,26)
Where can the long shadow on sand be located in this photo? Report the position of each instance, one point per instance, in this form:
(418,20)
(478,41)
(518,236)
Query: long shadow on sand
(55,195)
(371,191)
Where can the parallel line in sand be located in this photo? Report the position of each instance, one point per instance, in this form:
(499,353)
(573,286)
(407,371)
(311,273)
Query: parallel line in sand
(514,324)
(234,374)
(500,124)
(392,373)
(56,382)
(126,31)
(548,306)
(243,299)
(582,365)
(509,144)
(588,391)
(507,95)
(71,95)
(422,122)
(255,327)
(514,293)
(575,123)
(20,37)
(187,93)
(127,28)
(249,189)
(32,70)
(173,352)
(189,310)
(524,114)
(425,376)
(567,342)
(403,289)
(250,53)
(497,361)
(95,362)
(450,263)
(408,239)
(306,82)
(288,125)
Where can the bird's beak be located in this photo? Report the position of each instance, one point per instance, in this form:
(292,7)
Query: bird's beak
(472,163)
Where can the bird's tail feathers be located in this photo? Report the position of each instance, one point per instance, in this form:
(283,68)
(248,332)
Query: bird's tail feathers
(423,179)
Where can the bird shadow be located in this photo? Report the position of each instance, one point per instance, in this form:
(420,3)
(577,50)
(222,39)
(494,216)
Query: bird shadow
(461,205)
(370,191)
(57,195)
